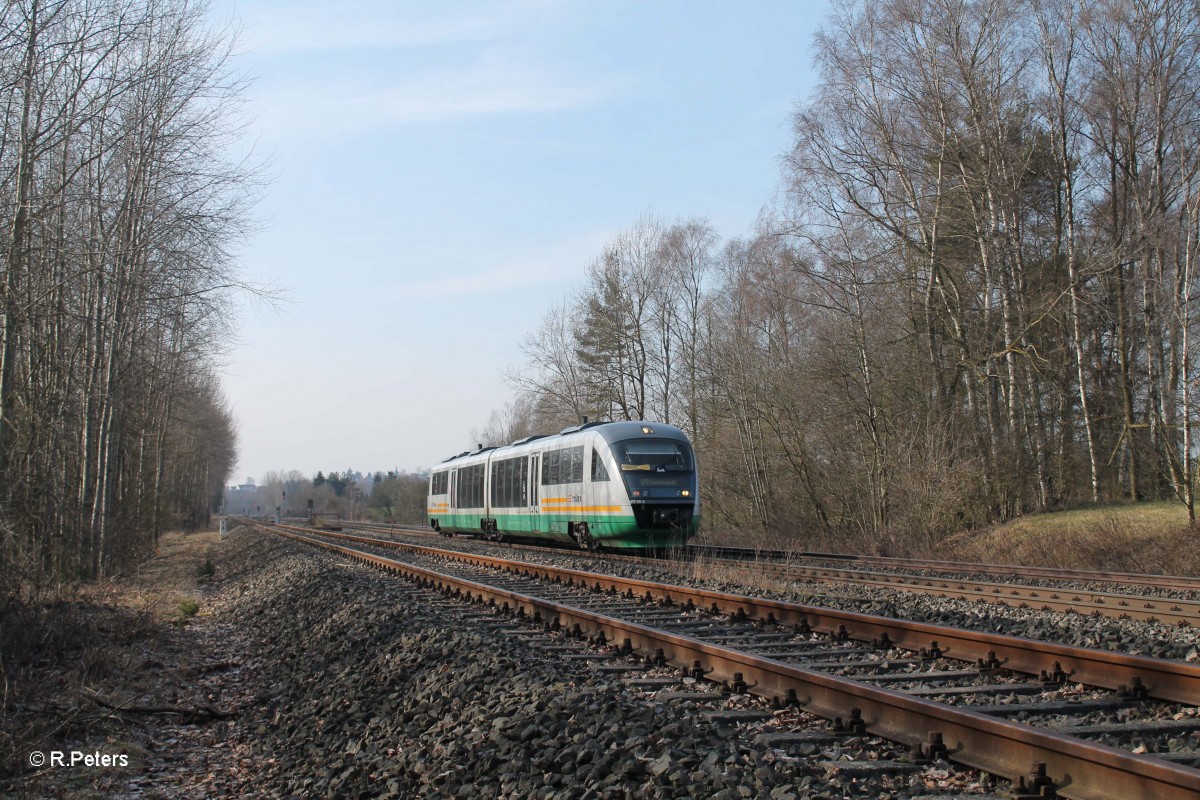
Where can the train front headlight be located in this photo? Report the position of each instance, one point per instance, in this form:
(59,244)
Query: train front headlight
(686,493)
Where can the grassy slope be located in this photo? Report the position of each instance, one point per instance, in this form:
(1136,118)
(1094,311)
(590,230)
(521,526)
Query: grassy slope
(1134,537)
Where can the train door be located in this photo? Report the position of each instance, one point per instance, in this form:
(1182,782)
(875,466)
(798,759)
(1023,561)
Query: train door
(453,491)
(535,498)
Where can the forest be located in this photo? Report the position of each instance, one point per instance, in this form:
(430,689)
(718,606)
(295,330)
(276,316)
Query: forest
(120,209)
(973,298)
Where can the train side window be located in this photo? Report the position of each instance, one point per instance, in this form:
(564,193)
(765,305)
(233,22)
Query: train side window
(516,485)
(577,471)
(599,471)
(534,500)
(470,487)
(550,468)
(566,466)
(509,488)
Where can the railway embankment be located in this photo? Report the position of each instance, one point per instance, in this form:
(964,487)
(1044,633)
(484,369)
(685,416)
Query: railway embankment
(131,688)
(376,688)
(302,675)
(256,666)
(1019,618)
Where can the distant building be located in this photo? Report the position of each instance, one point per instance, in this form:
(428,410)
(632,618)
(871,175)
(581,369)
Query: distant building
(242,498)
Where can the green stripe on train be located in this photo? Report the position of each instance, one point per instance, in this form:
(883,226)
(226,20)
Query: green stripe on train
(610,530)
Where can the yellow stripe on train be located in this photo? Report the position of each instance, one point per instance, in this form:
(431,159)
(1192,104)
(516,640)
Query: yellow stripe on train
(585,509)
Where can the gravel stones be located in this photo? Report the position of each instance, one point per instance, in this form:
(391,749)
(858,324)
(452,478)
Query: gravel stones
(1135,637)
(373,688)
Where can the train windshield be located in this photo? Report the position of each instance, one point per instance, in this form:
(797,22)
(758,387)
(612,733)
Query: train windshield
(653,455)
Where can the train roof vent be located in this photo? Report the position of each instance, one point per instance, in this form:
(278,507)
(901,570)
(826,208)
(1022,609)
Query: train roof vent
(581,427)
(529,439)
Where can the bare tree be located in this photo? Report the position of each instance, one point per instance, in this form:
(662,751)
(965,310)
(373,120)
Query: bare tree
(121,210)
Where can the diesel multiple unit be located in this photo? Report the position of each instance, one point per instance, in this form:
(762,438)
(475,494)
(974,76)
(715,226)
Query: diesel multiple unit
(599,484)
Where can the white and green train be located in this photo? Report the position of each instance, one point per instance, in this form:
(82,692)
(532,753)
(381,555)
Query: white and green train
(599,484)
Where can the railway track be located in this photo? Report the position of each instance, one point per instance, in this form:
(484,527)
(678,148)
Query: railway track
(932,566)
(1070,598)
(946,692)
(1182,582)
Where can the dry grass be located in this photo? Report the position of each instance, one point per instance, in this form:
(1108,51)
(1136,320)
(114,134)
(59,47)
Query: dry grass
(172,578)
(1142,537)
(90,636)
(794,541)
(742,573)
(1134,537)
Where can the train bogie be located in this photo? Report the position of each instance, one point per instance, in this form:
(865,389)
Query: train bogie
(616,484)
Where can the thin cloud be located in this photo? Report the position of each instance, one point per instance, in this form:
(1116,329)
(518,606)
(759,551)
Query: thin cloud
(343,108)
(557,264)
(489,281)
(290,28)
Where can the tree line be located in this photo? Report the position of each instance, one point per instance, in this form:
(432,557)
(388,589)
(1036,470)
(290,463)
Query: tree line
(119,206)
(974,299)
(392,496)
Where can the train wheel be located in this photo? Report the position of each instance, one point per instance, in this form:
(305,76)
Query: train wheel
(584,537)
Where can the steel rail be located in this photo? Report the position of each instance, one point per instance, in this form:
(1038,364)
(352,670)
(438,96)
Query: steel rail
(1163,679)
(1187,582)
(1080,769)
(965,567)
(1170,610)
(1121,605)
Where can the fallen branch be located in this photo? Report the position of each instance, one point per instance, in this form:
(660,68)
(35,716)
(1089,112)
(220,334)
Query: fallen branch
(197,714)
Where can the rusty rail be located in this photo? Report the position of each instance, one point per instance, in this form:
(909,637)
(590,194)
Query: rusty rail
(1163,679)
(1109,604)
(1169,610)
(1079,769)
(966,567)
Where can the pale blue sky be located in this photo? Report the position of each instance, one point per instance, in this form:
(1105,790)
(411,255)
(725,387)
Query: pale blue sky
(444,172)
